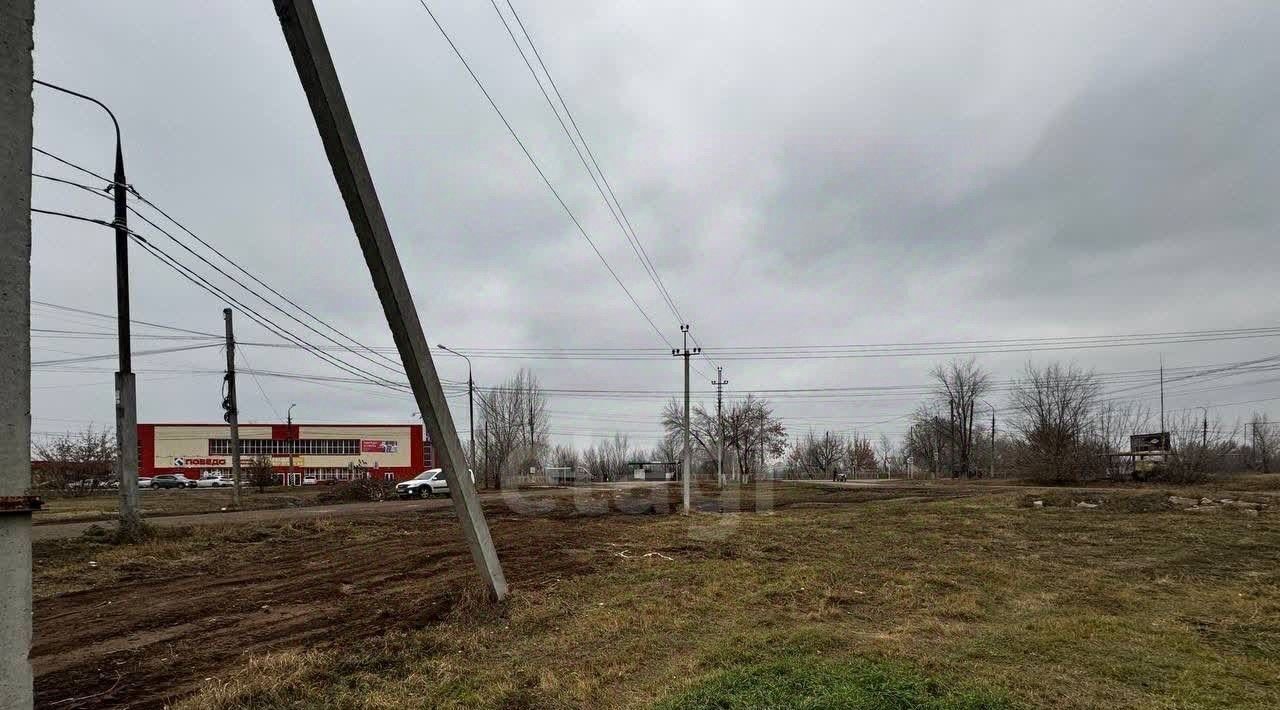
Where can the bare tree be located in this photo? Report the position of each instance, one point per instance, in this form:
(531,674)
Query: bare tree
(958,385)
(75,462)
(1201,447)
(1263,440)
(704,434)
(259,473)
(565,456)
(860,455)
(513,428)
(885,450)
(667,450)
(1054,408)
(814,455)
(607,460)
(926,438)
(754,434)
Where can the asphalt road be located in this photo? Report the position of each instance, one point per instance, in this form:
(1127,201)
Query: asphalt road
(57,531)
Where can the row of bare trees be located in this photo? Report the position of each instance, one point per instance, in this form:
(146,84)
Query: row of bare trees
(1061,428)
(74,463)
(513,431)
(752,435)
(833,453)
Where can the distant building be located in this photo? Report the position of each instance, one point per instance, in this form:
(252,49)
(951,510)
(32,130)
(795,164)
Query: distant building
(320,452)
(654,470)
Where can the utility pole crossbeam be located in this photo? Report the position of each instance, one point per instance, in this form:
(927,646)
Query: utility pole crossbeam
(305,37)
(720,383)
(232,406)
(686,464)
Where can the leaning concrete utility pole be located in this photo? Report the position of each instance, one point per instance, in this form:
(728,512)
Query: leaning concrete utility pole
(16,19)
(685,464)
(720,383)
(305,37)
(232,406)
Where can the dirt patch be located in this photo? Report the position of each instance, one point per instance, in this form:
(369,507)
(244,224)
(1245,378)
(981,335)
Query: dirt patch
(159,634)
(146,625)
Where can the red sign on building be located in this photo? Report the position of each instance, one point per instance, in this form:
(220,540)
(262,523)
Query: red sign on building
(379,446)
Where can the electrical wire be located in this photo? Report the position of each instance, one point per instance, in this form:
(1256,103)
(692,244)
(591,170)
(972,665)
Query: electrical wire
(543,175)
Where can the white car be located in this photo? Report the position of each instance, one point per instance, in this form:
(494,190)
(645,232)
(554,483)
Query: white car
(143,482)
(216,482)
(432,482)
(424,485)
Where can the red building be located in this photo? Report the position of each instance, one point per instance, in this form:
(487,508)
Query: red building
(323,452)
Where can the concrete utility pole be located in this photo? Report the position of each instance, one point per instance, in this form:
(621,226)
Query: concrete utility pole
(305,37)
(1162,429)
(288,431)
(16,20)
(993,439)
(720,383)
(232,406)
(1204,435)
(126,392)
(685,464)
(471,401)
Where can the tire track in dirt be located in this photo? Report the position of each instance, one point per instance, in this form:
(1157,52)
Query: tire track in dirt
(160,638)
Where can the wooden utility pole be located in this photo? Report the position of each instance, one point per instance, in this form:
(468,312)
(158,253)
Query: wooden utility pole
(232,406)
(685,464)
(305,37)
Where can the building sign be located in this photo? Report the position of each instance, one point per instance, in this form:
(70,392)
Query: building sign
(379,446)
(196,462)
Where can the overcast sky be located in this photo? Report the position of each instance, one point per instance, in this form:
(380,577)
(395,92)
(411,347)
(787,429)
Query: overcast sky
(806,173)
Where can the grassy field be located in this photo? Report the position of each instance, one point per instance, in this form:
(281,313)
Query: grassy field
(106,506)
(834,599)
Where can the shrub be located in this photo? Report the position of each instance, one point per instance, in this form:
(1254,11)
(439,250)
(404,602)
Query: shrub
(361,489)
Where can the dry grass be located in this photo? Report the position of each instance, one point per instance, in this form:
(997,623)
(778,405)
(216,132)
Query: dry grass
(1055,608)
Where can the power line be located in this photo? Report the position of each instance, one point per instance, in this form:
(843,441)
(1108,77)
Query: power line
(200,281)
(541,174)
(619,216)
(249,369)
(396,367)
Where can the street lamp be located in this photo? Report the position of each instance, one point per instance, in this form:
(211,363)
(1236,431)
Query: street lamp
(126,400)
(471,400)
(289,433)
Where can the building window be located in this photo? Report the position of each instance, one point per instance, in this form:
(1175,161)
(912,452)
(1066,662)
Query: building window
(283,447)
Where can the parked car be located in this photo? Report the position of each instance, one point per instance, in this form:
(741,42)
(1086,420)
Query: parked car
(309,480)
(172,480)
(216,482)
(143,482)
(429,483)
(424,485)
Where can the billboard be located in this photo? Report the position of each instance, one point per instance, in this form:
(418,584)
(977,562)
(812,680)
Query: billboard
(379,446)
(1139,443)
